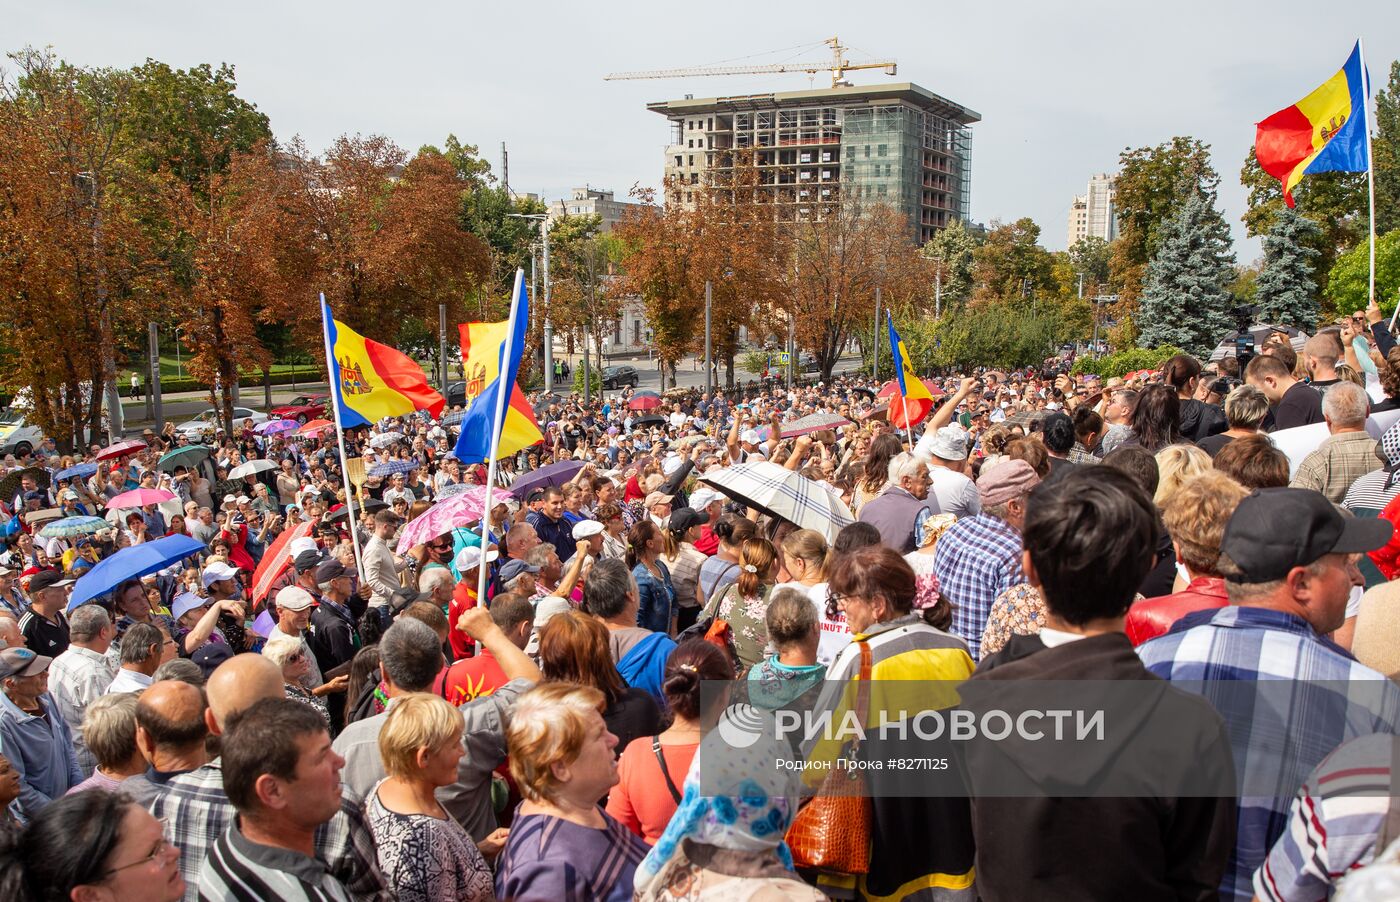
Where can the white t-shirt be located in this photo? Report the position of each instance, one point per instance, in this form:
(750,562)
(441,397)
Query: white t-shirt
(835,634)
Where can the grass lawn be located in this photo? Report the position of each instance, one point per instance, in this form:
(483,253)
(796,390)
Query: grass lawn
(169,370)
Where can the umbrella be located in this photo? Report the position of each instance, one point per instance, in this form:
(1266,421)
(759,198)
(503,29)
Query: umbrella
(390,467)
(77,471)
(139,498)
(315,426)
(452,419)
(385,439)
(815,422)
(275,561)
(644,400)
(1026,418)
(187,456)
(554,474)
(459,510)
(453,488)
(10,485)
(69,527)
(277,427)
(251,468)
(653,420)
(690,440)
(130,563)
(544,401)
(1259,332)
(369,505)
(781,492)
(121,449)
(891,387)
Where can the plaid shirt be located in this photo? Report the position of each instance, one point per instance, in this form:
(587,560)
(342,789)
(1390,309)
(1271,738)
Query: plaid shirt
(199,813)
(976,560)
(1336,464)
(1081,455)
(1310,697)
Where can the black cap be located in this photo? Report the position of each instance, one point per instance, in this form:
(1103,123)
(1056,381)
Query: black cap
(328,570)
(1274,530)
(47,579)
(403,597)
(209,656)
(307,560)
(684,518)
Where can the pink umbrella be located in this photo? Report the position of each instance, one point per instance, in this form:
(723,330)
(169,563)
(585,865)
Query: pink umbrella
(139,498)
(121,449)
(445,516)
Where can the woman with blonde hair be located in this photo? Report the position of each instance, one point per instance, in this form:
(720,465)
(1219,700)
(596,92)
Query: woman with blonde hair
(744,604)
(425,855)
(1175,465)
(562,844)
(294,660)
(805,554)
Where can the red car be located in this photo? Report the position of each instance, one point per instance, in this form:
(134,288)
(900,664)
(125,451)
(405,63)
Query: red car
(301,409)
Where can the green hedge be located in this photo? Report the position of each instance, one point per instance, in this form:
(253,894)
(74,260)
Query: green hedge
(1125,362)
(250,381)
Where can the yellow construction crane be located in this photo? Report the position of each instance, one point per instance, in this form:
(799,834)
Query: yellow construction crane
(838,66)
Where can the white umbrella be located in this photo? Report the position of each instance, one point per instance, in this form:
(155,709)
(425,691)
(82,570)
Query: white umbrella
(783,493)
(385,439)
(251,468)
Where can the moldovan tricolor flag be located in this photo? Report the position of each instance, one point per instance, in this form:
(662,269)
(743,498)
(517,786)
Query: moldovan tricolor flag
(1323,132)
(370,381)
(489,372)
(914,400)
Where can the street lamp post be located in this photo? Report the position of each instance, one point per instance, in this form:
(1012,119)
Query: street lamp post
(543,219)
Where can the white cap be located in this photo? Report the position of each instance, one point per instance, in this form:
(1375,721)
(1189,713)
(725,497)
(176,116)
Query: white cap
(749,436)
(218,570)
(583,529)
(671,464)
(244,499)
(470,558)
(229,499)
(702,498)
(294,598)
(185,602)
(299,545)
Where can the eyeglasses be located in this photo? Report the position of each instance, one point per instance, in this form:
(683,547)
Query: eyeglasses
(164,847)
(833,603)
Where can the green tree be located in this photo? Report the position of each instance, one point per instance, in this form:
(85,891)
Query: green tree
(1186,299)
(1347,284)
(1286,290)
(1012,264)
(1152,185)
(1000,333)
(1093,257)
(951,249)
(1385,153)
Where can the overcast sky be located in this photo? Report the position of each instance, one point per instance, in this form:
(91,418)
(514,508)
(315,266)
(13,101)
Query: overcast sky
(1061,91)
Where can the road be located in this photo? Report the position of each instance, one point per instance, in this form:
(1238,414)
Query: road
(183,406)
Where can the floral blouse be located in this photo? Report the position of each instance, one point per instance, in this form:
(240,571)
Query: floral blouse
(1019,611)
(747,617)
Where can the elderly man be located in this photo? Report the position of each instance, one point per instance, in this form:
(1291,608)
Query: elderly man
(410,660)
(81,675)
(710,503)
(44,625)
(900,510)
(170,731)
(334,635)
(293,617)
(979,557)
(34,736)
(1348,453)
(382,566)
(142,651)
(1287,556)
(946,451)
(1293,402)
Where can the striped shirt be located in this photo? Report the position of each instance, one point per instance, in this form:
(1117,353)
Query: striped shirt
(239,869)
(1334,822)
(1371,492)
(976,560)
(1308,696)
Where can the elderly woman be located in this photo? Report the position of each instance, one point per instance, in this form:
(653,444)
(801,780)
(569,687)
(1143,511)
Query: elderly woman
(292,658)
(1245,410)
(561,840)
(425,855)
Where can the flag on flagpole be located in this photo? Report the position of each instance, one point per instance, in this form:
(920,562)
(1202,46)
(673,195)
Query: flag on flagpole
(914,400)
(1324,132)
(487,375)
(370,381)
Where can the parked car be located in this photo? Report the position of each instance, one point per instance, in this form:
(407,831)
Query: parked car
(301,409)
(204,426)
(17,436)
(618,376)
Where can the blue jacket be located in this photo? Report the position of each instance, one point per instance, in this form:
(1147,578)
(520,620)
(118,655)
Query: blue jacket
(658,598)
(41,749)
(644,667)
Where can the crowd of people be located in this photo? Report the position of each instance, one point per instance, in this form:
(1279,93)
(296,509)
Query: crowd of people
(302,704)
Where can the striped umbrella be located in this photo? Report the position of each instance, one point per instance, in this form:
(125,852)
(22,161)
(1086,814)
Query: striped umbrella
(815,422)
(71,527)
(781,492)
(385,439)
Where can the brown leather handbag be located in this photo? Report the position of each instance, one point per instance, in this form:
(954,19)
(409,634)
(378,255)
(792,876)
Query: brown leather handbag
(832,831)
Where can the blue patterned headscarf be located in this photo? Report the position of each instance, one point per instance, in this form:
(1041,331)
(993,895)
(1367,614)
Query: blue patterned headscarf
(752,802)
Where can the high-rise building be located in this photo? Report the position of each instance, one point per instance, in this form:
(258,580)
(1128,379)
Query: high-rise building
(591,202)
(897,144)
(1094,214)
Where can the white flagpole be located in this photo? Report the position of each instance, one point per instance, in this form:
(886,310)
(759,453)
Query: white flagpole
(1370,172)
(350,517)
(503,393)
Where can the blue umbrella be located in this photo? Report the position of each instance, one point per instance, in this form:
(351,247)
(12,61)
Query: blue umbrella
(81,471)
(131,563)
(554,474)
(390,467)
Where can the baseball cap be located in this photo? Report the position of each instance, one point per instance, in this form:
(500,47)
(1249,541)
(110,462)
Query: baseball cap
(1274,530)
(47,579)
(684,518)
(209,656)
(298,546)
(403,597)
(702,498)
(514,567)
(586,528)
(185,602)
(470,558)
(329,569)
(294,598)
(216,571)
(22,662)
(657,498)
(307,560)
(749,437)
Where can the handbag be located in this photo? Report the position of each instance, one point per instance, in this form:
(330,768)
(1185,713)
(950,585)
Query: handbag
(714,630)
(832,831)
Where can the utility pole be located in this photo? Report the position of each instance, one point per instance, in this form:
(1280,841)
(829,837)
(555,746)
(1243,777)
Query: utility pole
(1081,286)
(709,350)
(153,390)
(588,336)
(875,372)
(543,219)
(938,290)
(792,351)
(442,347)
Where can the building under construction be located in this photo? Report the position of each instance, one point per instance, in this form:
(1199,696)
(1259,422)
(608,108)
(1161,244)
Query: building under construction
(895,144)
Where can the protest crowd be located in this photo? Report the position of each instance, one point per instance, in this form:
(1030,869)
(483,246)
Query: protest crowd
(242,670)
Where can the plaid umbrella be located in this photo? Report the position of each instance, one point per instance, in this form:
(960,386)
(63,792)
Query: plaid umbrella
(10,484)
(1026,418)
(453,488)
(390,467)
(781,492)
(70,527)
(385,439)
(452,419)
(815,422)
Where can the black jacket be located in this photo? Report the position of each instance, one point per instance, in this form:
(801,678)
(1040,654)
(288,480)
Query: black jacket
(1146,813)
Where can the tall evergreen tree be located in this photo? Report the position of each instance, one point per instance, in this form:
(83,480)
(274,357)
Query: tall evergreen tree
(1385,148)
(1186,298)
(1286,290)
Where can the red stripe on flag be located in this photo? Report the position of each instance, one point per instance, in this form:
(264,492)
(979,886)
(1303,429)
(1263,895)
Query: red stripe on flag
(404,376)
(1282,141)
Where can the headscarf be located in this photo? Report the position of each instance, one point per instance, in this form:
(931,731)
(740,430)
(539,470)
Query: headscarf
(750,802)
